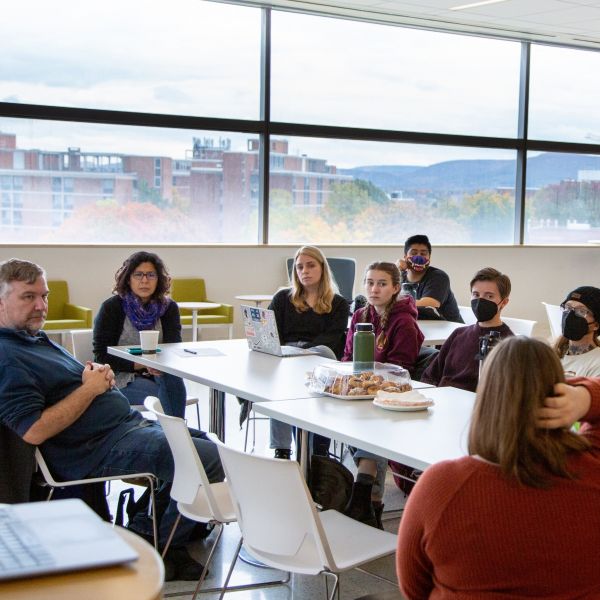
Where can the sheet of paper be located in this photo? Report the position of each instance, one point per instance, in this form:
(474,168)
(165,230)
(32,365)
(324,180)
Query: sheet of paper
(196,352)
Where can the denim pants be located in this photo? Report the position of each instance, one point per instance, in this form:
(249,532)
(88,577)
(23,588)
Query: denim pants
(281,433)
(144,449)
(169,389)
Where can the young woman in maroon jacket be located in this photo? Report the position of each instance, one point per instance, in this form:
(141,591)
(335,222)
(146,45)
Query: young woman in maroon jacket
(398,340)
(518,517)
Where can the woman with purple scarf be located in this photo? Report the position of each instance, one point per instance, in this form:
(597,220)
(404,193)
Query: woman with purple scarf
(140,303)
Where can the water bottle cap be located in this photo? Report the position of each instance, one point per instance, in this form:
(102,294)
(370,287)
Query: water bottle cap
(364,327)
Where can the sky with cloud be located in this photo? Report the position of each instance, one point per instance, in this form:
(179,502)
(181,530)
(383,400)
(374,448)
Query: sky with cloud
(200,58)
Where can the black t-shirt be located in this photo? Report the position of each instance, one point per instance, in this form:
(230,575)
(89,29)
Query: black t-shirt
(436,284)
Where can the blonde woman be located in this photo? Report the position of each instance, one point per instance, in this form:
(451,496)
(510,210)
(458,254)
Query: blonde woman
(518,517)
(309,314)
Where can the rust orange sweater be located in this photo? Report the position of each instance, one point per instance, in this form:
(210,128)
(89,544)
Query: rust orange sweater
(469,533)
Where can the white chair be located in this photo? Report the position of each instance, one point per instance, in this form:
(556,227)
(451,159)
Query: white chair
(197,498)
(82,342)
(53,483)
(554,313)
(467,315)
(282,528)
(520,326)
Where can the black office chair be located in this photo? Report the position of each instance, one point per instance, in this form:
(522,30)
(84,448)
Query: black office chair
(343,271)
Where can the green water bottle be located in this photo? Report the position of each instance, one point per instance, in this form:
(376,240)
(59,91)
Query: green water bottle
(363,354)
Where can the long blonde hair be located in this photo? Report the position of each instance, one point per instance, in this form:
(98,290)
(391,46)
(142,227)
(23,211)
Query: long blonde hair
(392,270)
(518,375)
(327,285)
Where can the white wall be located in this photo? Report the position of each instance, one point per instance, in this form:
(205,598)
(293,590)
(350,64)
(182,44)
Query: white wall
(537,273)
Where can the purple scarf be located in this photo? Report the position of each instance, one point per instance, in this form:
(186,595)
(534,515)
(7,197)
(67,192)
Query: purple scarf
(143,316)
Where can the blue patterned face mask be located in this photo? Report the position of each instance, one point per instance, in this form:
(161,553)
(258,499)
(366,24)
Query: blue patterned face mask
(417,263)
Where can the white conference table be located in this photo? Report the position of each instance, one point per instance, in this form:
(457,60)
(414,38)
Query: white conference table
(417,439)
(437,332)
(228,366)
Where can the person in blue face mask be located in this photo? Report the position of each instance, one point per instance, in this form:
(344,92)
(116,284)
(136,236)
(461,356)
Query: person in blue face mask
(429,285)
(457,363)
(579,346)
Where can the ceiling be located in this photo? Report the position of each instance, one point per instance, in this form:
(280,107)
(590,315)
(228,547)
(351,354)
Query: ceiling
(567,22)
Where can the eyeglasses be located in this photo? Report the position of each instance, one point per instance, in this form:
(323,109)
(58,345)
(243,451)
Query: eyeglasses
(579,311)
(149,275)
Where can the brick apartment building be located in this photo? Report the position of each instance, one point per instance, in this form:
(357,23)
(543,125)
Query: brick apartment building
(217,186)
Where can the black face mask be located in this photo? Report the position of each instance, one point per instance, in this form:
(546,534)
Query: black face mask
(574,327)
(483,309)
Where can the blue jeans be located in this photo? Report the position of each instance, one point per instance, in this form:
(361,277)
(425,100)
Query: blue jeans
(144,449)
(169,389)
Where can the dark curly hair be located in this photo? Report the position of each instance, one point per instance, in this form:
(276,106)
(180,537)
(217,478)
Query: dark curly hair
(129,266)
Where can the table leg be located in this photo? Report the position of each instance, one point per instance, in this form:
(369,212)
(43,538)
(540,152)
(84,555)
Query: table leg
(303,435)
(194,325)
(217,413)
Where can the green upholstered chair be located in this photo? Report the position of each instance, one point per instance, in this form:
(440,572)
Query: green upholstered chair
(62,315)
(194,290)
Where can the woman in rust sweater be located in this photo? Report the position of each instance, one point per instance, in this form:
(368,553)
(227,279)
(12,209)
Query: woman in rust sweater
(517,518)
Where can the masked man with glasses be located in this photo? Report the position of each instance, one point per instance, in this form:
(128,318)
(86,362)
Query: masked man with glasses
(579,347)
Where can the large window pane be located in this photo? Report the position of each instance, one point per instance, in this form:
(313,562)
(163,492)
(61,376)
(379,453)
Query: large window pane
(96,184)
(181,57)
(340,72)
(337,191)
(564,93)
(563,198)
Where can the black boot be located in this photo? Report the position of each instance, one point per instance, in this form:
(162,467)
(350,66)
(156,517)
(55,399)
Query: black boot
(359,506)
(284,453)
(180,566)
(378,510)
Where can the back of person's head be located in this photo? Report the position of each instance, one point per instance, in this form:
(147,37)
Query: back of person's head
(15,269)
(327,285)
(517,376)
(417,239)
(501,280)
(129,266)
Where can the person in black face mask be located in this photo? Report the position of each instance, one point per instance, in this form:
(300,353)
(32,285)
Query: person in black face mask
(579,347)
(457,363)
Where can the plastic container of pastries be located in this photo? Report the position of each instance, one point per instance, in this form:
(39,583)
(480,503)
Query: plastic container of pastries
(341,381)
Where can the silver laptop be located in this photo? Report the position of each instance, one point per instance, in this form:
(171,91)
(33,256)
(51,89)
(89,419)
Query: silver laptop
(40,538)
(260,328)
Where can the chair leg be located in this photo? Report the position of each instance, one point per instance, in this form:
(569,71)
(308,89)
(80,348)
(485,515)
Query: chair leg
(164,552)
(208,560)
(198,413)
(246,435)
(237,553)
(335,591)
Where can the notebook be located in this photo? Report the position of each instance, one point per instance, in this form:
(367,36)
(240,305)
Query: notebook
(260,328)
(40,538)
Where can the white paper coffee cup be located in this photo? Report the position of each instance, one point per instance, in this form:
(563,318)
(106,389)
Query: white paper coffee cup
(149,341)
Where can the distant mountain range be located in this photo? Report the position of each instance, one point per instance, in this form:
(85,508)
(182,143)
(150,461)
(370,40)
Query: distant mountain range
(461,175)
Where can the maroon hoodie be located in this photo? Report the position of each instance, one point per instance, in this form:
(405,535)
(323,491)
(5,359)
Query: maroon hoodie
(404,338)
